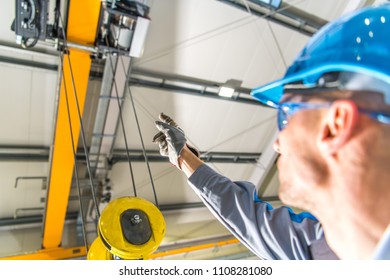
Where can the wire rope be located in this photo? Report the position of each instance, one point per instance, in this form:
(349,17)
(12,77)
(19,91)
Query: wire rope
(74,156)
(122,122)
(139,131)
(137,122)
(81,122)
(136,119)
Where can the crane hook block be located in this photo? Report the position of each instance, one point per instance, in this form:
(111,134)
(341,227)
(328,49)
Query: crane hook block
(131,228)
(97,251)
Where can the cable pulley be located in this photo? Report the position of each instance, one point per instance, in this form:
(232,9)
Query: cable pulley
(129,228)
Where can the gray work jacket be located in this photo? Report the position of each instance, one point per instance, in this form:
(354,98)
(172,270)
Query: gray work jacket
(269,233)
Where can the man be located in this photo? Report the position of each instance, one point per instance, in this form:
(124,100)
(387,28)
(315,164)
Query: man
(334,120)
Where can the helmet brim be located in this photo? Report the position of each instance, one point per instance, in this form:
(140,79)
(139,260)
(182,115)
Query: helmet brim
(270,94)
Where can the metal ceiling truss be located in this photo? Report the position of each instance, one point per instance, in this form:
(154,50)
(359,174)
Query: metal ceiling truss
(154,80)
(188,85)
(28,63)
(286,15)
(42,154)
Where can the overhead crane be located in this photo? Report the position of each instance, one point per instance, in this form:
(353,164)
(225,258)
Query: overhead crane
(129,227)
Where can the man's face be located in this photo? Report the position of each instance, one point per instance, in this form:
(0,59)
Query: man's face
(301,168)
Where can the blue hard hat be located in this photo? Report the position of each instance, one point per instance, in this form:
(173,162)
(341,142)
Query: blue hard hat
(358,42)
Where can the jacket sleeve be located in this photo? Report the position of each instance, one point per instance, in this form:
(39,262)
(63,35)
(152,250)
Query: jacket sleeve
(269,233)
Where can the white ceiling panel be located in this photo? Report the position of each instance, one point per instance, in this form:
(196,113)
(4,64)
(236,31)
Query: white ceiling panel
(27,104)
(7,17)
(28,192)
(170,185)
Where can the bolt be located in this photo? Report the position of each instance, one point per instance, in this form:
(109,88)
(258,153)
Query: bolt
(136,219)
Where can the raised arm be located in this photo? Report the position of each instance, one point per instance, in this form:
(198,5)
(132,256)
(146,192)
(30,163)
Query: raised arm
(269,233)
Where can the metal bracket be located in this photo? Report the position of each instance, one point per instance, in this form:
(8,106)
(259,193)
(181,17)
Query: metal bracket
(43,178)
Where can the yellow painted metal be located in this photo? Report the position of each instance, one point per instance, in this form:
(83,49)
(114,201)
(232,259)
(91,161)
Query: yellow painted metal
(98,251)
(83,21)
(111,231)
(193,248)
(51,254)
(77,252)
(82,24)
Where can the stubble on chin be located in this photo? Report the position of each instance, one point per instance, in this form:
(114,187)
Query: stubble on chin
(293,196)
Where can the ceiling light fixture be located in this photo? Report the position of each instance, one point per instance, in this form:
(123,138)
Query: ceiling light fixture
(227,89)
(271,3)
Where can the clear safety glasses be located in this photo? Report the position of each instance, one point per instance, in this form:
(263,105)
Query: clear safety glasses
(288,109)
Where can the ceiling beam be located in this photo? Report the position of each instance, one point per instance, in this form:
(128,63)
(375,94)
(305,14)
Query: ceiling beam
(23,220)
(36,51)
(188,85)
(286,15)
(42,154)
(165,81)
(28,63)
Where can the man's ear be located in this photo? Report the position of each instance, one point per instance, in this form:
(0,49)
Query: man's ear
(338,126)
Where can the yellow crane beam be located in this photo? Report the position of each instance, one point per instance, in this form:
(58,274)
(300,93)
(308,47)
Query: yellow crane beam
(51,254)
(82,26)
(79,252)
(193,248)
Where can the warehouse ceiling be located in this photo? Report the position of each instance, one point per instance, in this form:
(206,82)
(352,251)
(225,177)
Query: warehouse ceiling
(192,48)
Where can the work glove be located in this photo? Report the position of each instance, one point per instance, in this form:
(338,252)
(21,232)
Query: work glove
(171,139)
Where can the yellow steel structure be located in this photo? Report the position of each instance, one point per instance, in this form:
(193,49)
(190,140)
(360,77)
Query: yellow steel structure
(193,248)
(81,29)
(112,227)
(63,159)
(51,254)
(63,253)
(83,21)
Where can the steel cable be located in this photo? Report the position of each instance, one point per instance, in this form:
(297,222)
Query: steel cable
(81,124)
(74,156)
(122,122)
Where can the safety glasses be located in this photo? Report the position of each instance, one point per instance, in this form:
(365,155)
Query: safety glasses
(288,109)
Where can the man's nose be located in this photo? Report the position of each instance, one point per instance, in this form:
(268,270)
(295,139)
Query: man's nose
(276,146)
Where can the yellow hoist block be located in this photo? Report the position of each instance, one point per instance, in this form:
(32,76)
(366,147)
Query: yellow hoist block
(129,228)
(98,251)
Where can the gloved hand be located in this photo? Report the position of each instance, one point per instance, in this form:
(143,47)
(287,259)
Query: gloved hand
(171,139)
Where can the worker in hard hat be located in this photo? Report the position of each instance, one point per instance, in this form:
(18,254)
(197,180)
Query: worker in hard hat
(333,115)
